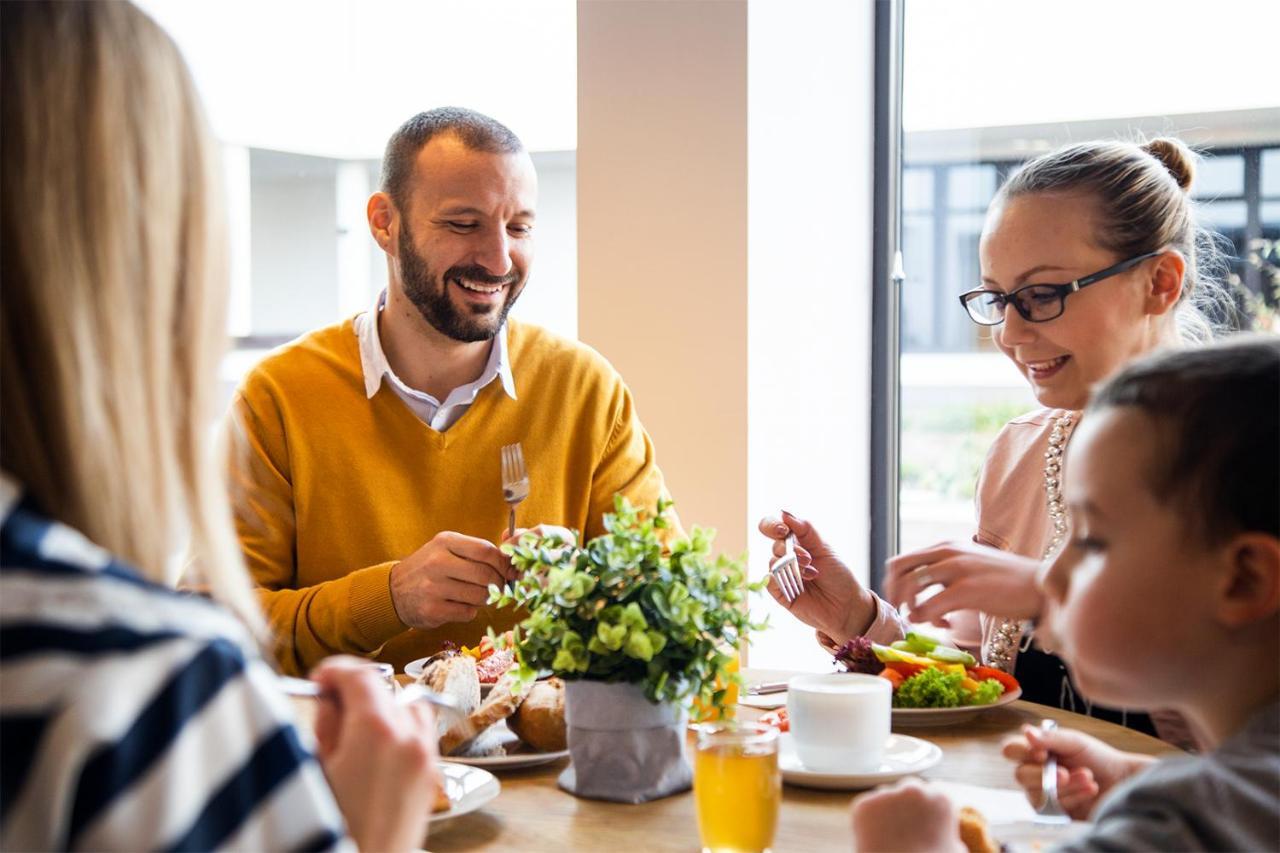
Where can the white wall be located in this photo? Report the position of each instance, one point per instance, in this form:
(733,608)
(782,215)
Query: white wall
(809,295)
(725,176)
(293,248)
(662,216)
(336,77)
(551,297)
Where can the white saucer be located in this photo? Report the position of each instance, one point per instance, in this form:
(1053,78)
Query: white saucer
(468,788)
(903,756)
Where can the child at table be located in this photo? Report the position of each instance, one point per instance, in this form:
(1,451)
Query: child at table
(1166,595)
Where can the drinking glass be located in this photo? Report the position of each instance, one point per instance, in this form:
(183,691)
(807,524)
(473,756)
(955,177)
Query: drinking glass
(736,786)
(384,672)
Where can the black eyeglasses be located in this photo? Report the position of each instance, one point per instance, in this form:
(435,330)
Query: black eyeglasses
(1035,303)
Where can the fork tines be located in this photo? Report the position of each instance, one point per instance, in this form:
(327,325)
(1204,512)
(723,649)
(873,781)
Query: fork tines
(515,482)
(513,472)
(786,571)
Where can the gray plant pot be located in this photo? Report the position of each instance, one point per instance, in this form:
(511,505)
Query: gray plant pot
(622,747)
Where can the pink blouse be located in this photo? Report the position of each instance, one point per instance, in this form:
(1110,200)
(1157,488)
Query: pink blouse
(1013,516)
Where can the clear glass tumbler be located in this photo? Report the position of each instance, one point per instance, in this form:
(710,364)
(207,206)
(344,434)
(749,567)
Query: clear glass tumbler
(384,672)
(737,786)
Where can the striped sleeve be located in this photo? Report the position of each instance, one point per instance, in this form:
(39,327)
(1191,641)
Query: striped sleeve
(177,744)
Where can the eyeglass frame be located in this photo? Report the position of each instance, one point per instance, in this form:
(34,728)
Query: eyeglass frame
(1062,291)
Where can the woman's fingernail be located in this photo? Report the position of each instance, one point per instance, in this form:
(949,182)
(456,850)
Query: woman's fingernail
(788,513)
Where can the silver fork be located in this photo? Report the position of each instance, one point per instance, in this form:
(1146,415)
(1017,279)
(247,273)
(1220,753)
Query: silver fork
(515,481)
(786,570)
(1050,810)
(449,707)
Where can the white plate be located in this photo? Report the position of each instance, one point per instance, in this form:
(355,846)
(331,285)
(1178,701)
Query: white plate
(902,717)
(903,756)
(518,755)
(469,788)
(922,717)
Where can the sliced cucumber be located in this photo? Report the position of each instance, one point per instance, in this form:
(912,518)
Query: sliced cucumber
(919,643)
(946,654)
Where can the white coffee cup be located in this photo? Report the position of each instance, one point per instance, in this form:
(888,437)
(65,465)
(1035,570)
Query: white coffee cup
(839,721)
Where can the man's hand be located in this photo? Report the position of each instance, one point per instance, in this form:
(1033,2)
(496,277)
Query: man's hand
(833,601)
(542,531)
(447,580)
(906,818)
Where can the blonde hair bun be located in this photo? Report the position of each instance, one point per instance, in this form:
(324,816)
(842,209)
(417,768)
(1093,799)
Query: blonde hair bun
(1175,157)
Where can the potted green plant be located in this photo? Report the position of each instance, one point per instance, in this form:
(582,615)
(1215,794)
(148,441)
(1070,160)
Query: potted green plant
(638,631)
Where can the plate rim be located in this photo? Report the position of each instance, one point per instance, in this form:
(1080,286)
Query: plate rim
(481,797)
(511,762)
(848,781)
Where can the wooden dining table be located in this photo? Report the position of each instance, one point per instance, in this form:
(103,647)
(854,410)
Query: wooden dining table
(532,814)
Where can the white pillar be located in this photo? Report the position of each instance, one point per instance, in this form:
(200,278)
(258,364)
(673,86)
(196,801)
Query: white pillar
(355,245)
(740,319)
(809,300)
(235,170)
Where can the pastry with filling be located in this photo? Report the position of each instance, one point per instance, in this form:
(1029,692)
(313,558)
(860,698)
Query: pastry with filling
(974,832)
(502,701)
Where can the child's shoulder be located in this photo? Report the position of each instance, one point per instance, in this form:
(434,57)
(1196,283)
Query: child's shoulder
(1225,800)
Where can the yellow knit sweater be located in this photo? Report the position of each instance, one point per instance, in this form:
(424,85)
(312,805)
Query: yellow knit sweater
(331,488)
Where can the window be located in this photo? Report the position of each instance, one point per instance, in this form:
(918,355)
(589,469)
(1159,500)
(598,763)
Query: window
(981,96)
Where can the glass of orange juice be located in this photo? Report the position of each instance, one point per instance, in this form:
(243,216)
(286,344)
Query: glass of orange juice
(736,786)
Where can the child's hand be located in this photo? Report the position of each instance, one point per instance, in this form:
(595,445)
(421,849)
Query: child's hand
(1087,767)
(909,816)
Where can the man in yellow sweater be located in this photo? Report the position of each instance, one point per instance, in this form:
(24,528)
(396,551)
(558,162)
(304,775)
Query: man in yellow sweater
(365,457)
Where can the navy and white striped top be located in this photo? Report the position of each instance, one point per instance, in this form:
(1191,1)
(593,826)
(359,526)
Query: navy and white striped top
(136,717)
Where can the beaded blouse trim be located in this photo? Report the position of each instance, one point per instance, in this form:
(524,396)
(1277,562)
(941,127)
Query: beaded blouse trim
(1002,646)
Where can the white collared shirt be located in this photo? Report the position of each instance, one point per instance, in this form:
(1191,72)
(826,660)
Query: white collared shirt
(439,416)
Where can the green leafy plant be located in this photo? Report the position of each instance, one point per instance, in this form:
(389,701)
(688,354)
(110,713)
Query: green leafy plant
(623,608)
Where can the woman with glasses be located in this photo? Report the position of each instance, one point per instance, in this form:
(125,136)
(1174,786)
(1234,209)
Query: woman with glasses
(135,717)
(1090,257)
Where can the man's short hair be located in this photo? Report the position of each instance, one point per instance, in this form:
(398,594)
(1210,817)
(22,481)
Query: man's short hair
(476,131)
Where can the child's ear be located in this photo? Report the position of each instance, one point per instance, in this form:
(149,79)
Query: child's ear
(1250,590)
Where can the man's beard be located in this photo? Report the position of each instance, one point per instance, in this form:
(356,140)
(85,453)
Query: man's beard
(430,295)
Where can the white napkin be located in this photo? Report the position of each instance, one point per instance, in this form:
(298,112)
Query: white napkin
(768,700)
(998,805)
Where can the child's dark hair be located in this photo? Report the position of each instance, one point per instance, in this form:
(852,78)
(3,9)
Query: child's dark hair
(1217,443)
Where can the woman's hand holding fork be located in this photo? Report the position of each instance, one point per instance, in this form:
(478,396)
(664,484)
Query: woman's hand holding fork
(833,601)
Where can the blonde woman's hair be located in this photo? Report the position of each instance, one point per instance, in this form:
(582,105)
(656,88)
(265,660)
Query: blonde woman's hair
(112,311)
(1143,195)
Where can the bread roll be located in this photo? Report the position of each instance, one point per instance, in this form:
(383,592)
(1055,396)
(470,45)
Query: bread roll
(539,721)
(453,675)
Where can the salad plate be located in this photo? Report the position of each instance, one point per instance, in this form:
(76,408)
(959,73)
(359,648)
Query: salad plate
(924,717)
(468,788)
(903,756)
